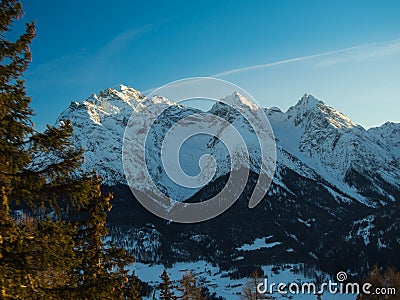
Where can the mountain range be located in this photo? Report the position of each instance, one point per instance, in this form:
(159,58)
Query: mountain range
(333,201)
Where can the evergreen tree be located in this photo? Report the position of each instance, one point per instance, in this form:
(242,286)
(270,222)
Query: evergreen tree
(102,269)
(189,288)
(43,256)
(133,288)
(166,287)
(26,251)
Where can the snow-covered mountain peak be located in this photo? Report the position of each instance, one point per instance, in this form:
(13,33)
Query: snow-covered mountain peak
(304,108)
(99,123)
(118,102)
(387,130)
(237,99)
(124,88)
(159,100)
(117,96)
(389,135)
(310,112)
(226,106)
(308,101)
(390,126)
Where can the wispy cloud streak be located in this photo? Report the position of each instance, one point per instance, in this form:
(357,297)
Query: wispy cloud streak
(357,53)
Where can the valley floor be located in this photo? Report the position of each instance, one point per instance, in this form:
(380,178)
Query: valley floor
(219,281)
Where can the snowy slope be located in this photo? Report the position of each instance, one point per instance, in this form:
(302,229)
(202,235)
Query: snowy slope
(220,283)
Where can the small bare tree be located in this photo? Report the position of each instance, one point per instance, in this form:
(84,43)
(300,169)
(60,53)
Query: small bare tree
(250,292)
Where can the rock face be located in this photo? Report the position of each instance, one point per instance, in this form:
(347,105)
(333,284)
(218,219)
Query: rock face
(333,180)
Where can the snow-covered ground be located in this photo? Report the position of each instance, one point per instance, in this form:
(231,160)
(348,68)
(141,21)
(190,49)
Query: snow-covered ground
(258,244)
(219,281)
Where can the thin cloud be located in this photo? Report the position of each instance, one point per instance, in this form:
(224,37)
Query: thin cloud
(357,53)
(262,66)
(366,52)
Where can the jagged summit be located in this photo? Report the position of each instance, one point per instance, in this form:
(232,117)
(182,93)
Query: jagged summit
(119,93)
(389,135)
(303,106)
(235,99)
(390,125)
(309,101)
(122,87)
(99,123)
(310,111)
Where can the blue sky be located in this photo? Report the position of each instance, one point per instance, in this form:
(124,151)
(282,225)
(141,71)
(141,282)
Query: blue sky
(346,53)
